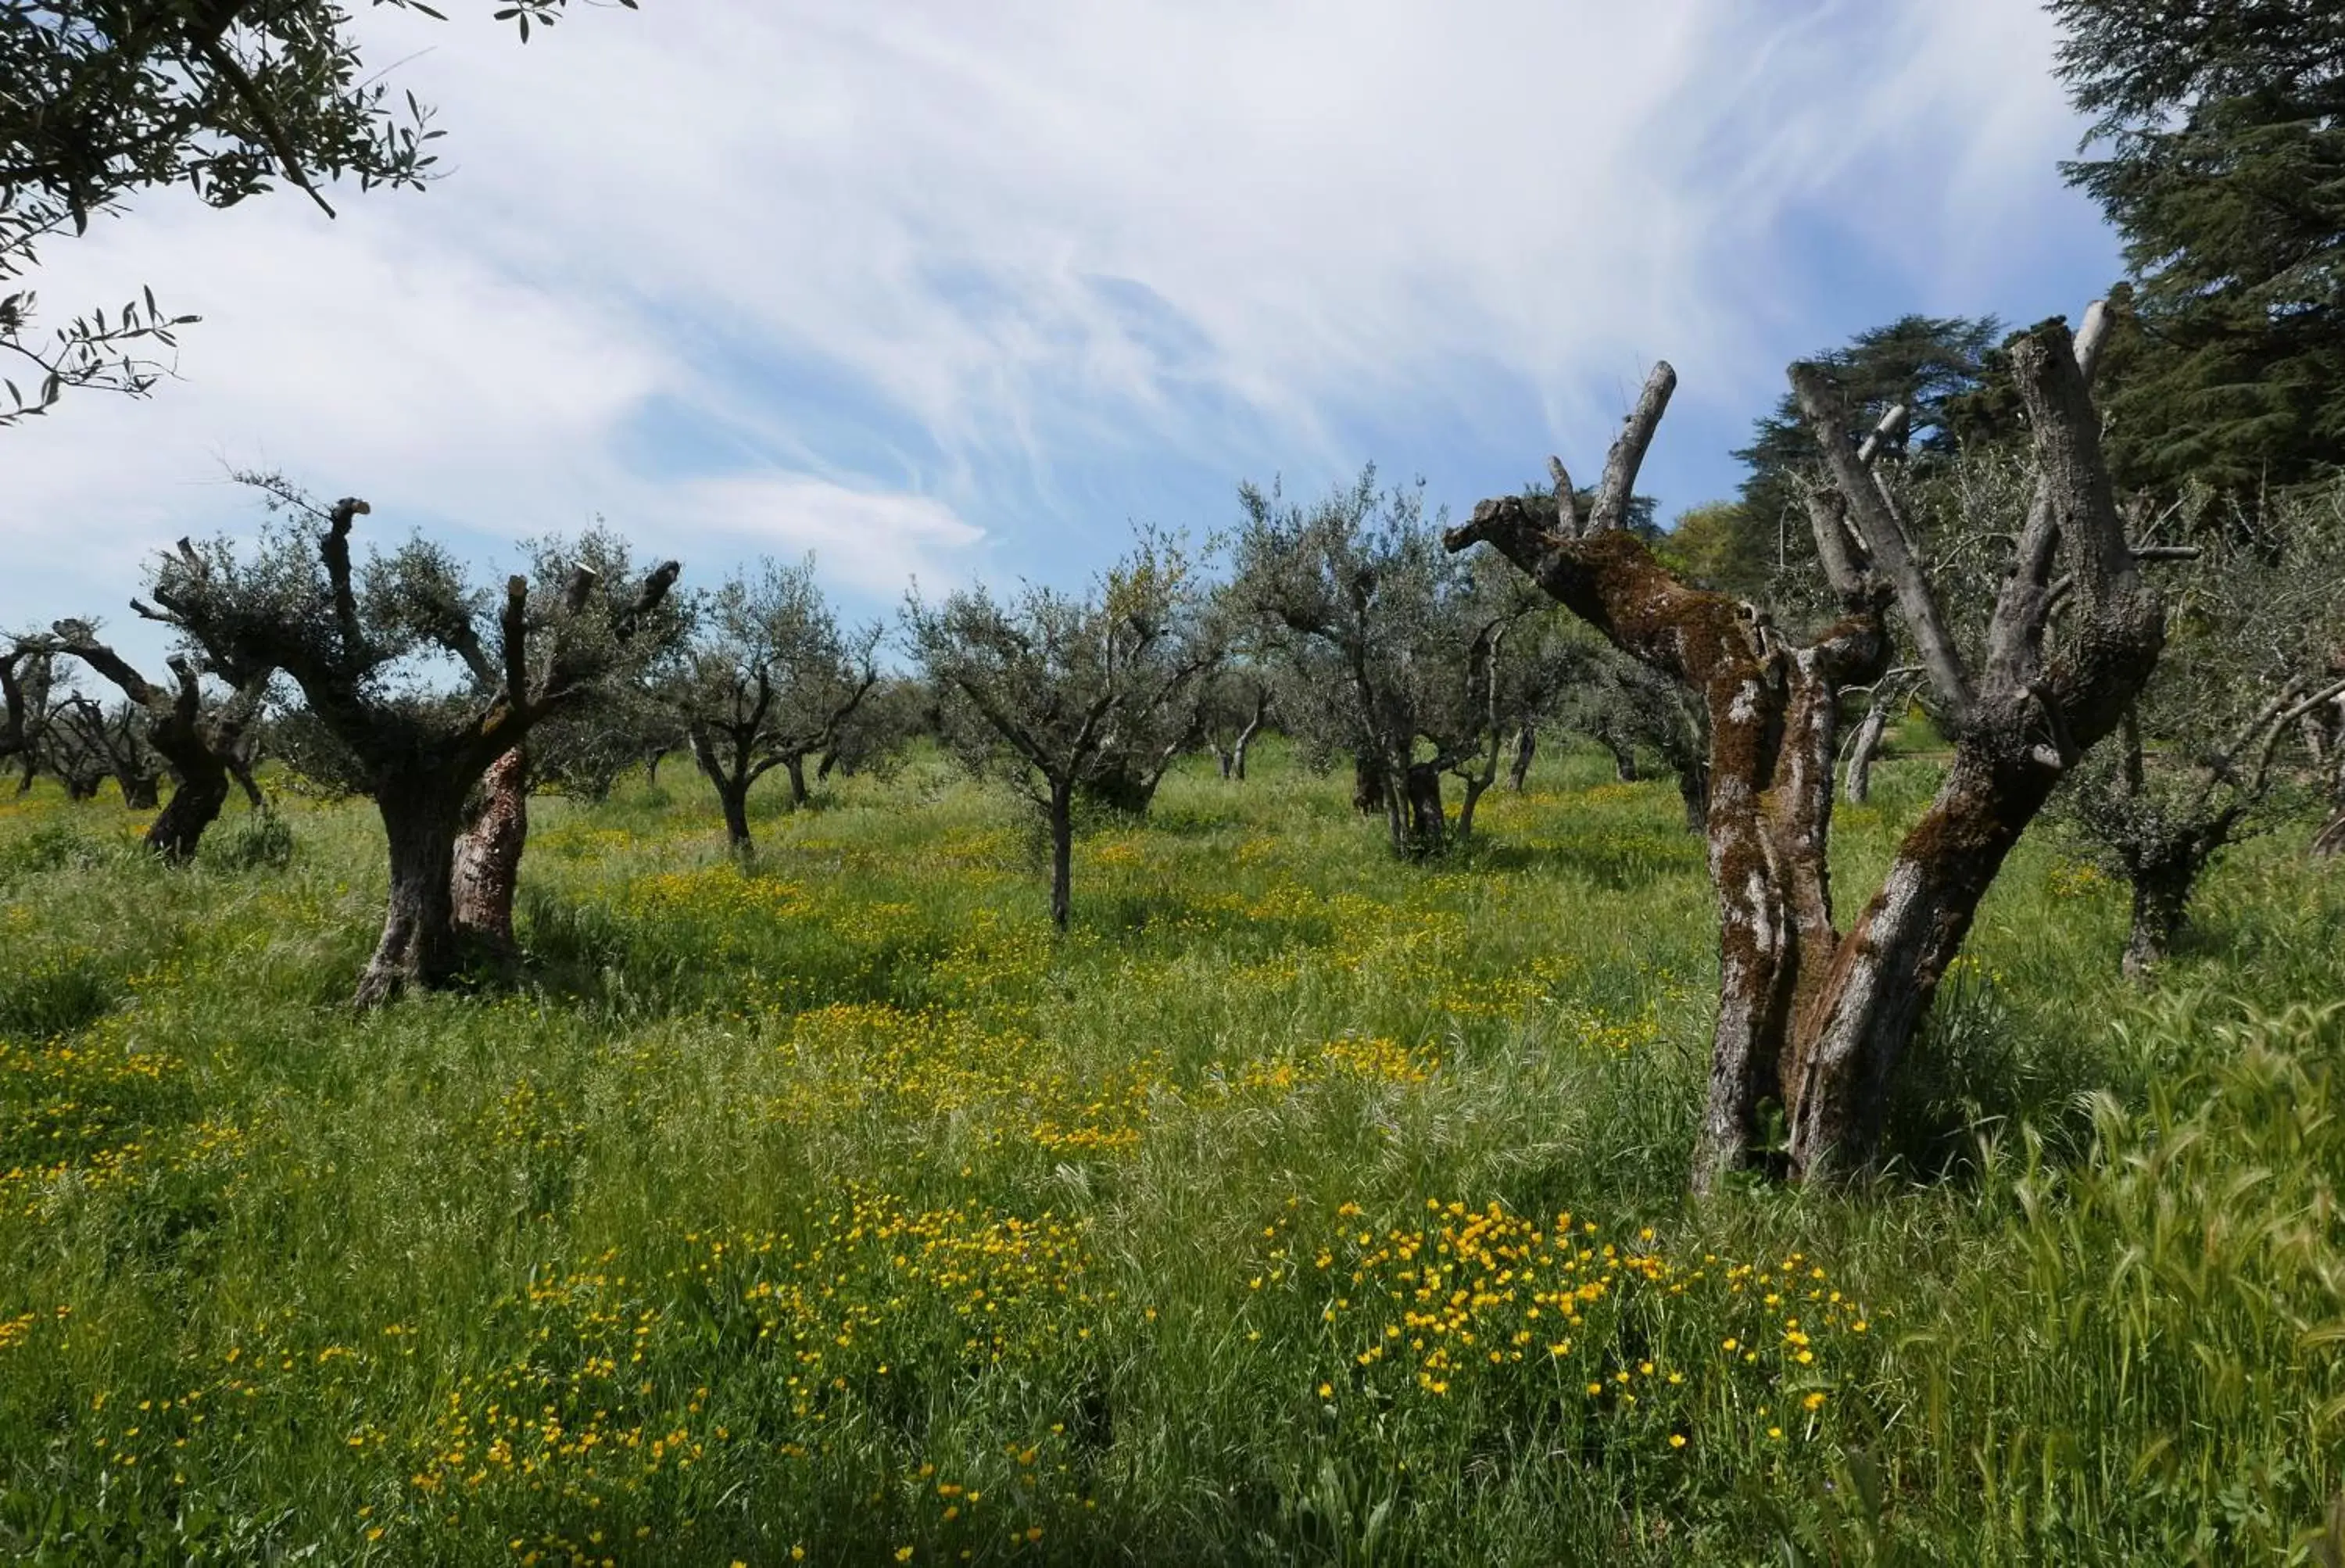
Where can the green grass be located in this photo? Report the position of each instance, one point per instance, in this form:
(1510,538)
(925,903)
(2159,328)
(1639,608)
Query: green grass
(840,1208)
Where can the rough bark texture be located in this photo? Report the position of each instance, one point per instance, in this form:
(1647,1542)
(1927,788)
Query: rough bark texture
(194,806)
(2161,908)
(1805,1016)
(1857,780)
(420,946)
(487,866)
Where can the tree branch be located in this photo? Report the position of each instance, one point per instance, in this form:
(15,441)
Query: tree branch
(1883,535)
(1627,454)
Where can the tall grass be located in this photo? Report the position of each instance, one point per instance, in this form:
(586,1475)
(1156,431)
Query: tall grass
(1298,1206)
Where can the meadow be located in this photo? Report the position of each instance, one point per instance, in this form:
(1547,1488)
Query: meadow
(1300,1204)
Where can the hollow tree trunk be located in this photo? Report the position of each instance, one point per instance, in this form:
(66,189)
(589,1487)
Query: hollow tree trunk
(1856,785)
(419,947)
(487,866)
(1062,854)
(241,771)
(2161,907)
(1526,747)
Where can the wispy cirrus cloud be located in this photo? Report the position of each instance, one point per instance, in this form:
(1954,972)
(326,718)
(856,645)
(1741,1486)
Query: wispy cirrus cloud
(939,290)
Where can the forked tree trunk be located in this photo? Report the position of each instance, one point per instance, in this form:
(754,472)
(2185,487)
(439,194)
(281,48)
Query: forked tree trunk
(1228,759)
(794,766)
(1806,1017)
(140,791)
(1062,854)
(1526,747)
(1246,740)
(732,794)
(487,868)
(419,947)
(1624,758)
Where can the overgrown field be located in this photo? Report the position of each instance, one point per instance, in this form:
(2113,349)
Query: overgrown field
(1300,1205)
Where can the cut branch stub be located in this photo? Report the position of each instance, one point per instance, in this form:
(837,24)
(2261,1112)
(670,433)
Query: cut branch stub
(1611,508)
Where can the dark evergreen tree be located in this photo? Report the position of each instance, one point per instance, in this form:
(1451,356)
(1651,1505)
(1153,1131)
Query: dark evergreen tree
(2221,129)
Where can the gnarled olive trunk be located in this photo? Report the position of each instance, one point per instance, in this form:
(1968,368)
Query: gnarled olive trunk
(486,871)
(1624,758)
(194,806)
(794,765)
(140,791)
(2161,908)
(421,816)
(1848,1038)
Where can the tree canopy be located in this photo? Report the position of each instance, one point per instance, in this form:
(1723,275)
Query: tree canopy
(2220,127)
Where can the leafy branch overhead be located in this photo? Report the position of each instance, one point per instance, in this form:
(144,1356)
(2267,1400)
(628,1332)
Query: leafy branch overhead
(106,102)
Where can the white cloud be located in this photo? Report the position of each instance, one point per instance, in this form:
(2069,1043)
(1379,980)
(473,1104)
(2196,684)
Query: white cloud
(911,278)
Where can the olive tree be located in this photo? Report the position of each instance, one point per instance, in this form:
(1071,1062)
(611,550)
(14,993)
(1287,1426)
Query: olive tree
(1056,691)
(86,744)
(1393,646)
(2201,759)
(202,734)
(421,678)
(28,694)
(1811,1017)
(769,680)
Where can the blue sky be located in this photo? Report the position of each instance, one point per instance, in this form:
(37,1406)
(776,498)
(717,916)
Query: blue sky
(962,291)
